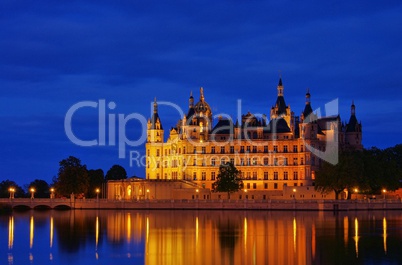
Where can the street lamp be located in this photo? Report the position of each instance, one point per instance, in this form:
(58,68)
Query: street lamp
(148,194)
(32,190)
(51,193)
(97,193)
(294,194)
(356,191)
(384,191)
(197,193)
(11,190)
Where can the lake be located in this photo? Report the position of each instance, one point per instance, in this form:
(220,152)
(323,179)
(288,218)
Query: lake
(200,237)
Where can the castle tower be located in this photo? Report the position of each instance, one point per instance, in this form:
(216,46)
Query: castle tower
(308,120)
(154,145)
(308,111)
(198,122)
(280,110)
(353,131)
(154,127)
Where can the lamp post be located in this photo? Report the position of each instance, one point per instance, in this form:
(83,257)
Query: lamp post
(147,194)
(11,190)
(294,194)
(32,190)
(97,193)
(196,196)
(245,195)
(384,191)
(356,191)
(51,193)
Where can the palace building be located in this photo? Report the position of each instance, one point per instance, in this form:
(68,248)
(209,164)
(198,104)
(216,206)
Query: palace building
(272,153)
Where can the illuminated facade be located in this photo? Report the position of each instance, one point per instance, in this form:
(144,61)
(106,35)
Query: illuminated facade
(284,150)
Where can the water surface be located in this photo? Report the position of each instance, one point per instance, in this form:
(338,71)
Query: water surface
(200,237)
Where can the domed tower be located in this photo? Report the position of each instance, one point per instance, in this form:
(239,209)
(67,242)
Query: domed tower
(198,122)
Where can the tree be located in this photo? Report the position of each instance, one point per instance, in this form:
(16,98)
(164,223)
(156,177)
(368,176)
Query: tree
(96,179)
(347,174)
(228,179)
(72,177)
(116,172)
(41,187)
(5,189)
(381,169)
(369,171)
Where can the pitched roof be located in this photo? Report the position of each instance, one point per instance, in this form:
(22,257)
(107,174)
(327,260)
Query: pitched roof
(352,125)
(154,119)
(307,110)
(278,126)
(224,126)
(280,103)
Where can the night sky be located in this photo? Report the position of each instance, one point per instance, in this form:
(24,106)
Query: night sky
(55,54)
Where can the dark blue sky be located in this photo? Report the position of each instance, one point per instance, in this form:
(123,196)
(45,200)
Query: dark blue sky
(54,54)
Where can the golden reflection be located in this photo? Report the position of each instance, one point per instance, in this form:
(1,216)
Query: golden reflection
(96,232)
(128,227)
(31,232)
(51,231)
(356,237)
(313,242)
(384,229)
(346,229)
(294,234)
(245,233)
(147,234)
(10,232)
(196,230)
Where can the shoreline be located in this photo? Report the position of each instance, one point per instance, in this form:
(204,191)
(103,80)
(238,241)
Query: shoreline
(268,205)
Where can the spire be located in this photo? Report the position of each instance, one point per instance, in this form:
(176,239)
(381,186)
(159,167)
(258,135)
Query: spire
(352,126)
(308,97)
(201,94)
(307,109)
(280,87)
(155,106)
(155,121)
(280,104)
(191,100)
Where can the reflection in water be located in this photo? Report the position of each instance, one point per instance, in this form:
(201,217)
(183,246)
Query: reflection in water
(51,237)
(245,234)
(201,237)
(346,229)
(356,237)
(147,236)
(96,232)
(51,231)
(384,229)
(196,230)
(31,232)
(313,244)
(128,227)
(10,232)
(229,235)
(294,234)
